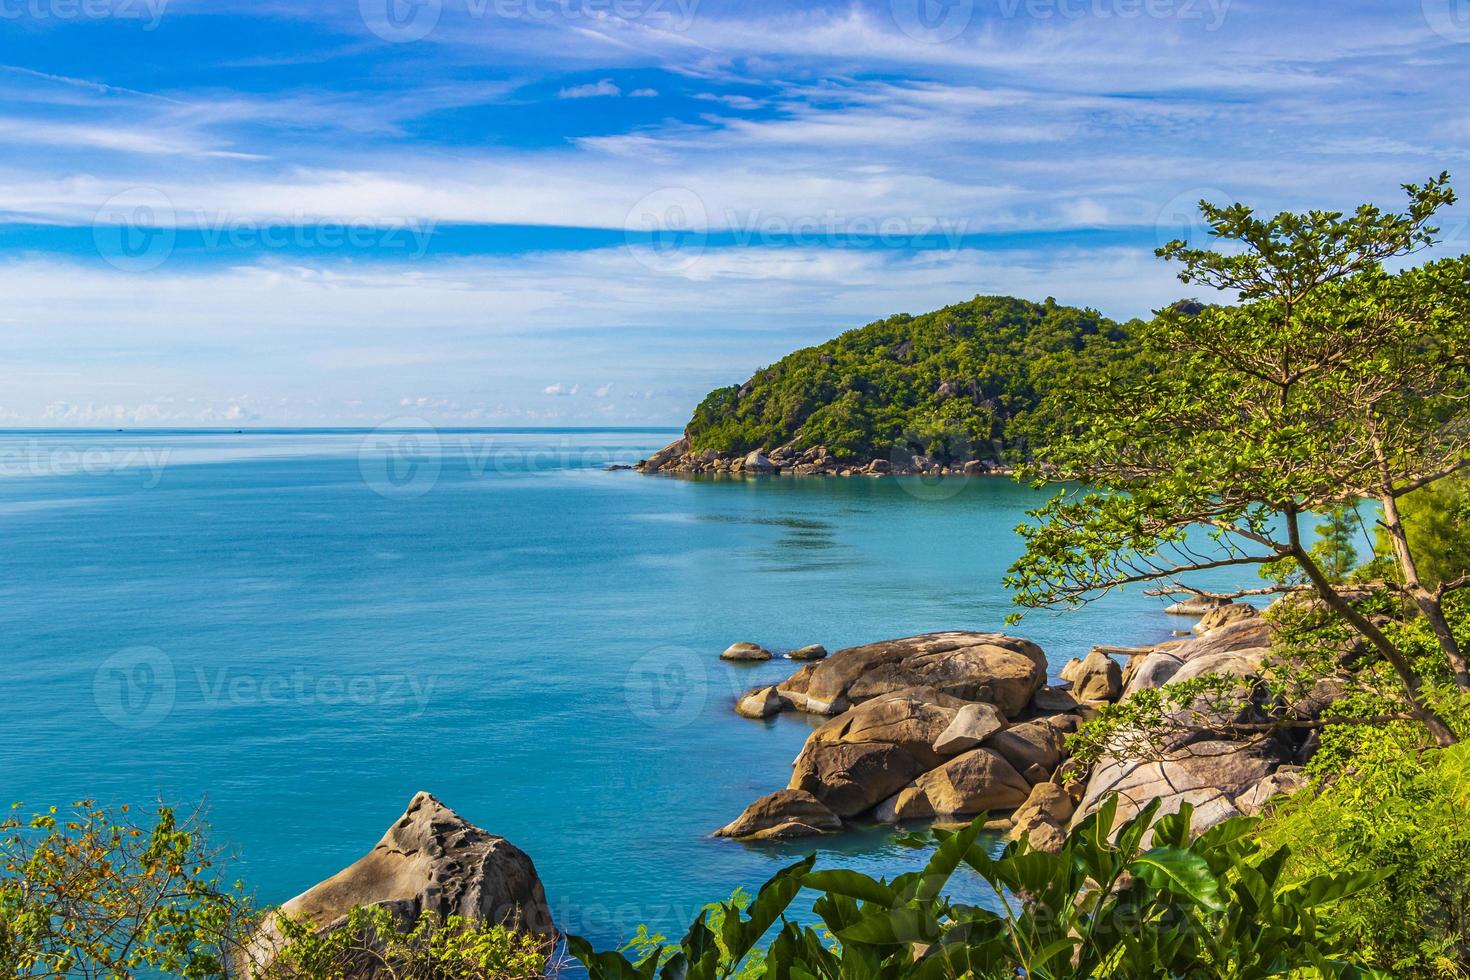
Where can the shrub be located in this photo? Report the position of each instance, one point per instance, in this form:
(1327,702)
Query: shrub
(92,893)
(373,943)
(1105,906)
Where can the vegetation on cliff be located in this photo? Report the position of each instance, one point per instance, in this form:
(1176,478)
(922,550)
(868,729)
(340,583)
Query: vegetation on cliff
(978,380)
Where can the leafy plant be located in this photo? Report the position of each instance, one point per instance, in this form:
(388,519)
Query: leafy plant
(1144,901)
(373,943)
(92,893)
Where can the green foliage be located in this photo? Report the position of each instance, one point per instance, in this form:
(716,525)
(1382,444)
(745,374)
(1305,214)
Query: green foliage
(1384,808)
(963,382)
(1437,520)
(91,893)
(1106,906)
(374,943)
(1335,381)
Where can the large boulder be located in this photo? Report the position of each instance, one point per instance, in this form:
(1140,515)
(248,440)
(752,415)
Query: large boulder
(1041,818)
(1151,671)
(430,862)
(758,462)
(1098,679)
(745,652)
(1209,774)
(782,815)
(814,651)
(1234,612)
(850,778)
(1040,743)
(1252,631)
(972,724)
(992,667)
(763,702)
(667,456)
(913,719)
(976,782)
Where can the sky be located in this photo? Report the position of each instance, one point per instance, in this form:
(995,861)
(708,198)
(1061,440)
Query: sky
(591,212)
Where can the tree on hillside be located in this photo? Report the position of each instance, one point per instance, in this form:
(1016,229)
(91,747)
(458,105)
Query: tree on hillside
(1331,381)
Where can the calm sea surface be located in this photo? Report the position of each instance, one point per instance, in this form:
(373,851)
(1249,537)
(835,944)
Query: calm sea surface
(302,629)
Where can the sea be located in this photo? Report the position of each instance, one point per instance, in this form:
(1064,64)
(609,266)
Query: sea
(294,631)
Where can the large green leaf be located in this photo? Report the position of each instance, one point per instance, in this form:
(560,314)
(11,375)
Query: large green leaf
(1179,872)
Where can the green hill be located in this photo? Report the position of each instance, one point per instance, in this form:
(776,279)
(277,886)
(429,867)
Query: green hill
(976,380)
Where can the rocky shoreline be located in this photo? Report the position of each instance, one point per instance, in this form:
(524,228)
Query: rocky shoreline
(679,457)
(938,727)
(945,726)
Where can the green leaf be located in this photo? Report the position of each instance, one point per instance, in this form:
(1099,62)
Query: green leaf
(1181,873)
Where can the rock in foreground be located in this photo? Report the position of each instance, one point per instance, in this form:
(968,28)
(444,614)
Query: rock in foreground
(430,861)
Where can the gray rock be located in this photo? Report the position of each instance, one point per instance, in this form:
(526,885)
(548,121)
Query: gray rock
(813,651)
(1225,615)
(745,652)
(430,862)
(763,702)
(972,724)
(1098,679)
(1053,699)
(758,462)
(1040,743)
(976,782)
(782,815)
(992,667)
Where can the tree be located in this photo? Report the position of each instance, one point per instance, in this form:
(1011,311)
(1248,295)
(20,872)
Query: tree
(91,893)
(1332,380)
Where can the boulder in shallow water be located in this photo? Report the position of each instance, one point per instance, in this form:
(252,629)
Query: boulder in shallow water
(747,652)
(763,702)
(782,815)
(814,651)
(758,462)
(1002,670)
(431,861)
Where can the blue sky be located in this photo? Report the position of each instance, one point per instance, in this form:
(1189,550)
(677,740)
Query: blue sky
(544,212)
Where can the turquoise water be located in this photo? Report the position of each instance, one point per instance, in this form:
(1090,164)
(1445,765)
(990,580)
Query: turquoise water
(305,628)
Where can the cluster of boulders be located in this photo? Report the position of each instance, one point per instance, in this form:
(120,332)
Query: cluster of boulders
(430,862)
(679,457)
(945,726)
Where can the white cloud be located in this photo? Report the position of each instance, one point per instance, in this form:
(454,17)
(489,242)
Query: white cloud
(643,93)
(606,87)
(561,389)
